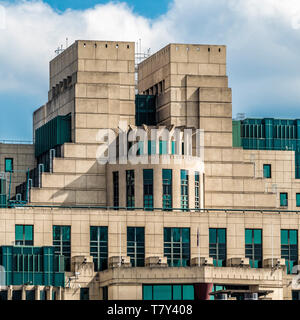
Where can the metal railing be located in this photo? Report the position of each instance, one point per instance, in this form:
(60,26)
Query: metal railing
(149,210)
(16,141)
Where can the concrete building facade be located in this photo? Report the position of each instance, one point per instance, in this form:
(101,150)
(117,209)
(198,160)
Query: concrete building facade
(220,226)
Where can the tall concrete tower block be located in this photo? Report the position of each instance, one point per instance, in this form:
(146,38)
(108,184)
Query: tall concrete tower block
(192,88)
(94,81)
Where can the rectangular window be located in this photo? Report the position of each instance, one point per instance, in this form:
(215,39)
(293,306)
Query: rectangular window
(267,171)
(177,246)
(197,190)
(253,247)
(99,247)
(148,188)
(167,188)
(217,246)
(130,188)
(168,292)
(136,246)
(23,235)
(116,189)
(289,248)
(297,199)
(184,178)
(163,147)
(173,147)
(151,147)
(62,244)
(283,199)
(84,294)
(9,164)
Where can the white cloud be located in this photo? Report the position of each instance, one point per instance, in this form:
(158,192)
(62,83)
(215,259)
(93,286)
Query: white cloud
(262,38)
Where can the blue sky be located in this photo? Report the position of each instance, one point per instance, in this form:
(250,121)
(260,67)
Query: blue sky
(262,38)
(150,8)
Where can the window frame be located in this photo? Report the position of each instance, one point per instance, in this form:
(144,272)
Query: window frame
(217,247)
(23,241)
(256,248)
(269,175)
(137,257)
(100,255)
(173,248)
(61,245)
(285,200)
(12,164)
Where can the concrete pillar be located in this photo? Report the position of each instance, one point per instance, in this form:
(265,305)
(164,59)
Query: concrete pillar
(122,188)
(138,187)
(191,189)
(157,187)
(23,292)
(9,292)
(37,293)
(176,194)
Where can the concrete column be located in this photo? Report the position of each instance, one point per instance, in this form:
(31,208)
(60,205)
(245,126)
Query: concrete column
(37,292)
(176,194)
(49,293)
(157,187)
(191,189)
(9,292)
(122,187)
(138,187)
(23,293)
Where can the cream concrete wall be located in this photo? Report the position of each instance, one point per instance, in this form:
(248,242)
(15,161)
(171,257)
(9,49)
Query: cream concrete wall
(282,175)
(23,159)
(191,166)
(80,221)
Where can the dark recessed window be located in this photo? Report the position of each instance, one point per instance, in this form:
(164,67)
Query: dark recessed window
(267,171)
(297,199)
(9,164)
(283,199)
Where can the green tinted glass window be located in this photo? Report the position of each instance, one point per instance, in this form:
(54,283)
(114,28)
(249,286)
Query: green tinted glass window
(24,235)
(62,244)
(163,292)
(253,247)
(217,246)
(177,295)
(8,165)
(99,247)
(151,147)
(173,147)
(267,171)
(116,189)
(163,147)
(298,199)
(148,188)
(130,189)
(197,190)
(188,292)
(147,292)
(289,248)
(184,189)
(136,246)
(177,246)
(283,199)
(168,292)
(167,188)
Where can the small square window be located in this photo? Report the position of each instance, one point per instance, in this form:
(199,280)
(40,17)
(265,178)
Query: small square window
(9,164)
(267,171)
(283,199)
(297,199)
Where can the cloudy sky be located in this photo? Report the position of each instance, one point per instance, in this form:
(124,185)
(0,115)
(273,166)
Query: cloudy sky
(262,38)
